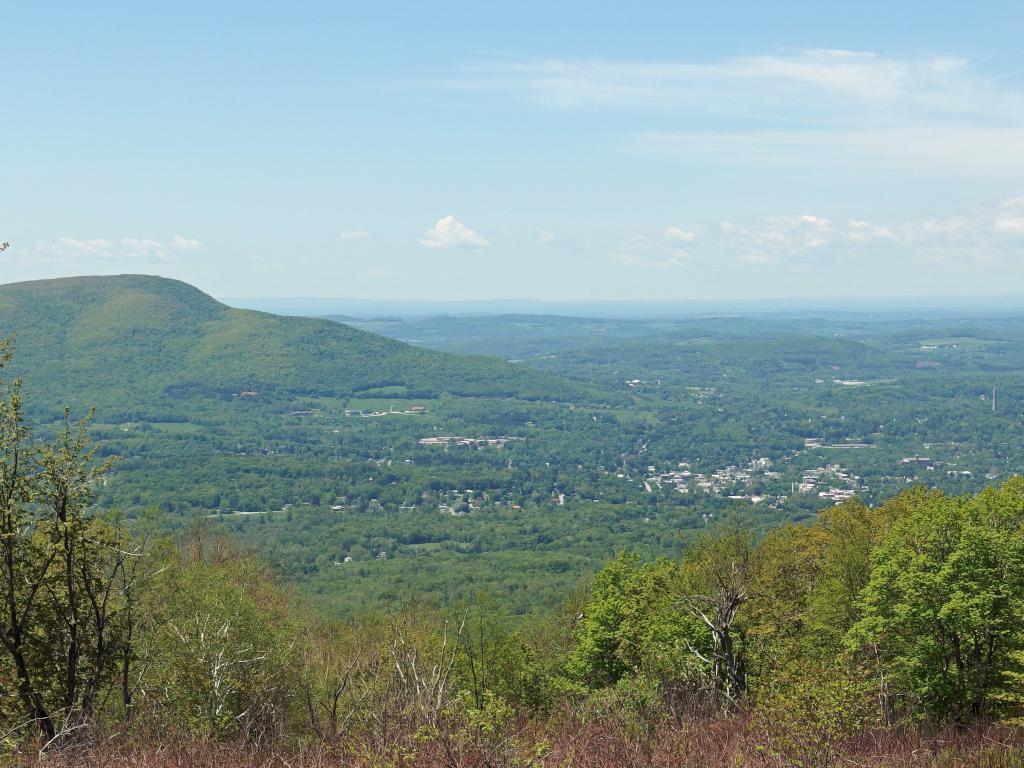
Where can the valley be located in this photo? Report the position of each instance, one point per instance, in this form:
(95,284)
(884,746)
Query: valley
(372,472)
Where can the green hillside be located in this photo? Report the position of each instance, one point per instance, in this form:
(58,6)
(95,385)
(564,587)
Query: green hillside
(332,457)
(108,341)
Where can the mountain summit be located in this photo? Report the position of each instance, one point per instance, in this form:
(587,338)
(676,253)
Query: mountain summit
(141,339)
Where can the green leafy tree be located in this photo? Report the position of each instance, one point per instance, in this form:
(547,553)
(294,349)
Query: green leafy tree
(62,572)
(942,610)
(596,661)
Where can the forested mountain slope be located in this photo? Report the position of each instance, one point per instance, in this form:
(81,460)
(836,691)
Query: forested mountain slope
(141,339)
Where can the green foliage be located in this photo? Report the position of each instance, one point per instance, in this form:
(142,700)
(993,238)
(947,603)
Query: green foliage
(597,661)
(808,582)
(64,627)
(171,341)
(220,643)
(632,624)
(810,710)
(485,727)
(914,606)
(942,609)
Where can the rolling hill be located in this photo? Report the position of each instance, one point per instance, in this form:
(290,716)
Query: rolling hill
(329,451)
(144,340)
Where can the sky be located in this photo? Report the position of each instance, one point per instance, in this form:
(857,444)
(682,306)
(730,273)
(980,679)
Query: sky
(539,150)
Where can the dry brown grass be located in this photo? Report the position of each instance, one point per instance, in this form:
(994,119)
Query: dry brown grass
(565,742)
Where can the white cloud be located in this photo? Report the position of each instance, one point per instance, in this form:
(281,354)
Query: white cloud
(807,231)
(655,259)
(186,244)
(660,253)
(103,252)
(747,84)
(354,234)
(933,113)
(798,242)
(864,231)
(941,227)
(75,250)
(913,146)
(449,232)
(677,235)
(759,258)
(142,247)
(1010,225)
(94,247)
(1010,219)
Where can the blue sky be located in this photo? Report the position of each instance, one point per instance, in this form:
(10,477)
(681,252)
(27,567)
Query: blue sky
(538,150)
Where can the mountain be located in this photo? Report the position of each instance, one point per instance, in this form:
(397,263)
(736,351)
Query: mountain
(146,340)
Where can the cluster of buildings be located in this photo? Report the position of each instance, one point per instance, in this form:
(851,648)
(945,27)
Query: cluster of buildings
(733,482)
(753,482)
(816,442)
(413,410)
(814,481)
(920,461)
(468,442)
(457,502)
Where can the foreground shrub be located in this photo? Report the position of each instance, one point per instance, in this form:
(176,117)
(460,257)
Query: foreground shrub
(220,646)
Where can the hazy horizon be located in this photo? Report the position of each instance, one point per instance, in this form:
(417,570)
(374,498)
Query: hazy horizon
(995,303)
(628,308)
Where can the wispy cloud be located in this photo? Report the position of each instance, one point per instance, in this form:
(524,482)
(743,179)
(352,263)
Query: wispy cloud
(449,232)
(916,146)
(860,231)
(142,247)
(799,108)
(994,234)
(354,234)
(186,244)
(73,246)
(678,235)
(1010,220)
(101,252)
(778,84)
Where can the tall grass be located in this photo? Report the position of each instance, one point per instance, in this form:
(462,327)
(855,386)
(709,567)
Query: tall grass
(563,740)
